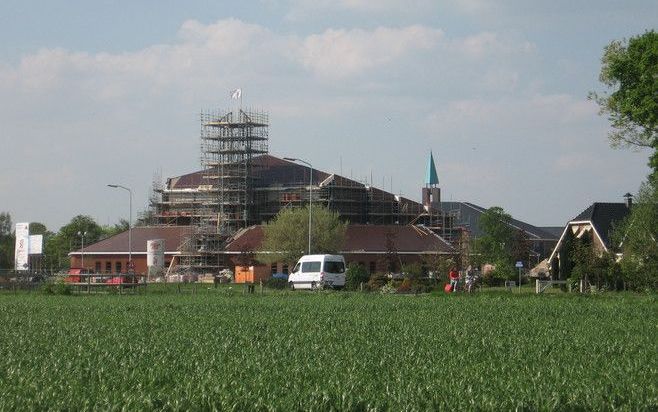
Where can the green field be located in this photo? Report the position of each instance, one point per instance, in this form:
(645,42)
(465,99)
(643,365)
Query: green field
(224,350)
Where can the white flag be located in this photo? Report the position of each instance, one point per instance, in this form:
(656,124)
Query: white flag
(236,94)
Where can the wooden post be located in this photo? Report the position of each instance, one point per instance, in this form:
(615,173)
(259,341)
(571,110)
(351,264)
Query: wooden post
(261,287)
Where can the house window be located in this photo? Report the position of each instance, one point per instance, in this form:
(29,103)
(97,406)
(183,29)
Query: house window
(273,268)
(284,269)
(98,267)
(108,267)
(117,267)
(373,267)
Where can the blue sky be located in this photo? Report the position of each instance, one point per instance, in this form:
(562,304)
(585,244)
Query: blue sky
(110,92)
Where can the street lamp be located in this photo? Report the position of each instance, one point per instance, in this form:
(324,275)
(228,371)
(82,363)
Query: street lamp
(310,196)
(82,235)
(130,219)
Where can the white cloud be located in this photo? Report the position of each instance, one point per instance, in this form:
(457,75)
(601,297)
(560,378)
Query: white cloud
(487,43)
(342,53)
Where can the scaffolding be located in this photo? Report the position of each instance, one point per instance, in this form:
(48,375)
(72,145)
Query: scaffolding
(222,203)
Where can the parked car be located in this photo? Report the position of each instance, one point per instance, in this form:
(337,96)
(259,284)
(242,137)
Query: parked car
(318,271)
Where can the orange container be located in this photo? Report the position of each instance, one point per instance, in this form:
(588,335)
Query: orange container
(251,274)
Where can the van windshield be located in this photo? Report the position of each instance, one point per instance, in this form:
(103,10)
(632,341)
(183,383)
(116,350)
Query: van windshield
(334,267)
(310,267)
(296,268)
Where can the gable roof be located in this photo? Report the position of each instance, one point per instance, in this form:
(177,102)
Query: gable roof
(407,239)
(603,217)
(174,236)
(469,215)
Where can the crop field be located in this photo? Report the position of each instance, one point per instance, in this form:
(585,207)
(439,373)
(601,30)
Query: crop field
(328,351)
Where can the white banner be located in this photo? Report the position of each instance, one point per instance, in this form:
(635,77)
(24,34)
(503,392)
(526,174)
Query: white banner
(22,246)
(155,250)
(35,245)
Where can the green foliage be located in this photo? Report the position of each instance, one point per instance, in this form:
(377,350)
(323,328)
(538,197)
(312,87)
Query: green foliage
(276,283)
(504,270)
(377,281)
(7,240)
(355,275)
(334,351)
(498,238)
(637,235)
(439,265)
(67,239)
(413,271)
(287,234)
(630,70)
(109,231)
(57,286)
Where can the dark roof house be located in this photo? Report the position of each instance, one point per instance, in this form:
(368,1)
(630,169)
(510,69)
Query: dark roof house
(595,224)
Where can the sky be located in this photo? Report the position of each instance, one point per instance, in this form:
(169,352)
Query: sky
(110,92)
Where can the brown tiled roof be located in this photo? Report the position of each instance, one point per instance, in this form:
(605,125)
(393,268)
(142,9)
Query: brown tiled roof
(172,235)
(268,170)
(406,239)
(362,239)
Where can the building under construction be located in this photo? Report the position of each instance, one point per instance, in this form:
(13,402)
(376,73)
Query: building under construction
(241,185)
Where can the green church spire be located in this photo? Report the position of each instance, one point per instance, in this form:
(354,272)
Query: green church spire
(432,178)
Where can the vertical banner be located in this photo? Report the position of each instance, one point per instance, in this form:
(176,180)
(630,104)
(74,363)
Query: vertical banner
(22,246)
(35,245)
(155,253)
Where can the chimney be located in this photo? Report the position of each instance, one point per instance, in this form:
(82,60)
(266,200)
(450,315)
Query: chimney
(628,200)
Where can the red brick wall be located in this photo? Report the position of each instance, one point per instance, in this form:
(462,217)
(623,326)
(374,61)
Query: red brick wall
(91,260)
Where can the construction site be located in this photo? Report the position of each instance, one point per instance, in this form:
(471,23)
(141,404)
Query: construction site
(240,184)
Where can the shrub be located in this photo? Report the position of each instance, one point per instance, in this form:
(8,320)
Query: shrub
(388,288)
(355,275)
(57,287)
(405,286)
(377,280)
(276,283)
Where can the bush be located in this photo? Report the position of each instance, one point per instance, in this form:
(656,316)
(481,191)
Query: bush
(405,286)
(276,283)
(377,280)
(57,287)
(355,275)
(388,288)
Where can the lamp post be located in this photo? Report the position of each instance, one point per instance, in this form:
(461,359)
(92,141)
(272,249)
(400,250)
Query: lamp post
(82,235)
(130,219)
(310,196)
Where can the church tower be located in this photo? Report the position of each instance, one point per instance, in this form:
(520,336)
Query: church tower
(431,191)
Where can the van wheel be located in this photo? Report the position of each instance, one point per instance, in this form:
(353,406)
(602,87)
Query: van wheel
(291,285)
(314,286)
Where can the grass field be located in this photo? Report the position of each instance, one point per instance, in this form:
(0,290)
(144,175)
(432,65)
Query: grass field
(321,351)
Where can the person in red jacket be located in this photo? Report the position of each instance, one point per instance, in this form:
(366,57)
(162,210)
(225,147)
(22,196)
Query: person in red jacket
(454,279)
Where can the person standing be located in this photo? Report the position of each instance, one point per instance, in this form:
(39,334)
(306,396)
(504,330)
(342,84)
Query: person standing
(454,278)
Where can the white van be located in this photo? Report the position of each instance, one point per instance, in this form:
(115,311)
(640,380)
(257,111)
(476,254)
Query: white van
(318,271)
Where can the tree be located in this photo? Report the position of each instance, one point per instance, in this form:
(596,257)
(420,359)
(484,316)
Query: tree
(67,239)
(637,236)
(496,242)
(38,228)
(109,231)
(6,241)
(287,234)
(630,70)
(520,247)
